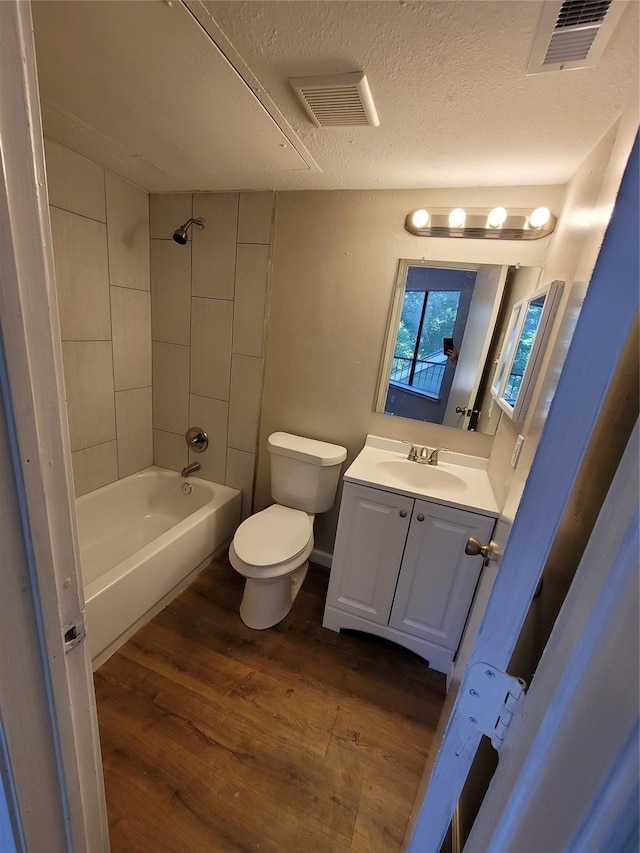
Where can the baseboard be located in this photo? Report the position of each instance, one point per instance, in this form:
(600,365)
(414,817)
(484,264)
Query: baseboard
(321,558)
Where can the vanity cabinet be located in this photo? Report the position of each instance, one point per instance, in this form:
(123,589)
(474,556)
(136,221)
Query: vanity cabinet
(399,570)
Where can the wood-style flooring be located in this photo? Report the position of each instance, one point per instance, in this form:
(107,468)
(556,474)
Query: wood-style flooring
(295,739)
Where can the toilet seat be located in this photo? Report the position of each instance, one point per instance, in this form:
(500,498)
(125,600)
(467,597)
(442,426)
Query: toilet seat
(277,535)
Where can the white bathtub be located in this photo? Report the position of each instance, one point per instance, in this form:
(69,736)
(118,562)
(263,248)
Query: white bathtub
(142,541)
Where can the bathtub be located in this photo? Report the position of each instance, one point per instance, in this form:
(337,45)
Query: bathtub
(142,541)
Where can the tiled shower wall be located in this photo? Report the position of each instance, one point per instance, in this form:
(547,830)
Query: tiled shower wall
(208,316)
(209,302)
(100,228)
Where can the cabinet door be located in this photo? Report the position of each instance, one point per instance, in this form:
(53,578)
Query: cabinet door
(437,580)
(370,540)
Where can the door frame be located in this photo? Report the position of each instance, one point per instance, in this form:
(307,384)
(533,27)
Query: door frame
(568,429)
(59,738)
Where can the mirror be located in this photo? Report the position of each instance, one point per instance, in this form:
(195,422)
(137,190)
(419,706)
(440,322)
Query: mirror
(432,301)
(524,344)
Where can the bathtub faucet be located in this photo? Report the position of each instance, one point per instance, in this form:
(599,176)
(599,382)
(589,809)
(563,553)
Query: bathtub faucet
(195,466)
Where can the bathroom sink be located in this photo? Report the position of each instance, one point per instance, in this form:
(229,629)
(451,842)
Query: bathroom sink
(458,479)
(415,475)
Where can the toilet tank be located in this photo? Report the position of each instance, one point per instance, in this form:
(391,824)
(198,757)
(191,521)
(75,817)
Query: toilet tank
(304,472)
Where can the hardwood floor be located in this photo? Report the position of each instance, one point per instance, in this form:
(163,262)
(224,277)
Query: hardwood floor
(219,738)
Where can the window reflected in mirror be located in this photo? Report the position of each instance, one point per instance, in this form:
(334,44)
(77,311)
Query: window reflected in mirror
(440,329)
(524,344)
(419,361)
(523,351)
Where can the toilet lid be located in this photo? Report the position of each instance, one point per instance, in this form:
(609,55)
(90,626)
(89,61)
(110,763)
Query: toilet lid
(273,536)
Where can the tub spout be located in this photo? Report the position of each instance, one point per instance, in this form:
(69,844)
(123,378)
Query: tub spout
(189,469)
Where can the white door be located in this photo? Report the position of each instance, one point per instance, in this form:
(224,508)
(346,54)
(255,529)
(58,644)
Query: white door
(608,314)
(50,769)
(474,349)
(577,729)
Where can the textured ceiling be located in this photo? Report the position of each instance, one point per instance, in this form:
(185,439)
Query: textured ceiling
(141,88)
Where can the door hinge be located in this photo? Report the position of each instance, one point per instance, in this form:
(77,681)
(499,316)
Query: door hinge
(488,700)
(74,633)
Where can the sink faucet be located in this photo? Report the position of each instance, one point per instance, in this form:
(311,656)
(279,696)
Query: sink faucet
(413,451)
(417,454)
(433,458)
(189,469)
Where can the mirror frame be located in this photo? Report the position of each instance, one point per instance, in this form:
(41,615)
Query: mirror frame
(518,410)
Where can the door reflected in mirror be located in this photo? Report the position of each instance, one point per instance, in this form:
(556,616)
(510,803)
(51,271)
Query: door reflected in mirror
(441,332)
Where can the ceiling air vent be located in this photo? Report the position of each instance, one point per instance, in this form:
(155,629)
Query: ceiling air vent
(573,34)
(337,100)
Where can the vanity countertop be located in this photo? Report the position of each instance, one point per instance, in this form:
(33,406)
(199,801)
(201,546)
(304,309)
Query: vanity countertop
(457,480)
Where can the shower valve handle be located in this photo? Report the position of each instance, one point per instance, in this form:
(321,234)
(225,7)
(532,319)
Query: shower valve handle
(197,439)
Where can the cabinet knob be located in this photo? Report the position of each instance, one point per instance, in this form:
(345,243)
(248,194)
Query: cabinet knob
(403,513)
(420,517)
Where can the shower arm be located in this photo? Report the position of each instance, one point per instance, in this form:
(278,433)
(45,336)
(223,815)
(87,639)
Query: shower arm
(199,222)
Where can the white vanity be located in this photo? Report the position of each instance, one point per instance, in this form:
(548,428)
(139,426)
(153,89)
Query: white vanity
(399,565)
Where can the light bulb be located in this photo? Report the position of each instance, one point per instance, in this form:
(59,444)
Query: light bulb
(420,218)
(457,218)
(539,217)
(497,217)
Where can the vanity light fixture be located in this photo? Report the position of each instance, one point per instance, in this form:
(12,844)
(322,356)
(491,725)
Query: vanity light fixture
(497,217)
(457,218)
(420,218)
(539,217)
(496,224)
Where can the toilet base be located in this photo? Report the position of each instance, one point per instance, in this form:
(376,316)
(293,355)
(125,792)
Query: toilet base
(266,601)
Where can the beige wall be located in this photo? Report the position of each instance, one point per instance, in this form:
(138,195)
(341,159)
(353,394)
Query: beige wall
(335,262)
(100,228)
(589,200)
(208,313)
(586,208)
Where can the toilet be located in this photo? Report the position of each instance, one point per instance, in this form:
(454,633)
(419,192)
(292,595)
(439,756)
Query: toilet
(271,548)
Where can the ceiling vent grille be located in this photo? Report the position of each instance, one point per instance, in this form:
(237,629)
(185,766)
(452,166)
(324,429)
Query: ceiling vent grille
(337,100)
(573,34)
(575,13)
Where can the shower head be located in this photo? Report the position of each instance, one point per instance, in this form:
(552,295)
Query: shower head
(180,234)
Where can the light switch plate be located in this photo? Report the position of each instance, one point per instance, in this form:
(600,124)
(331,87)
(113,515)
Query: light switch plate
(517,449)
